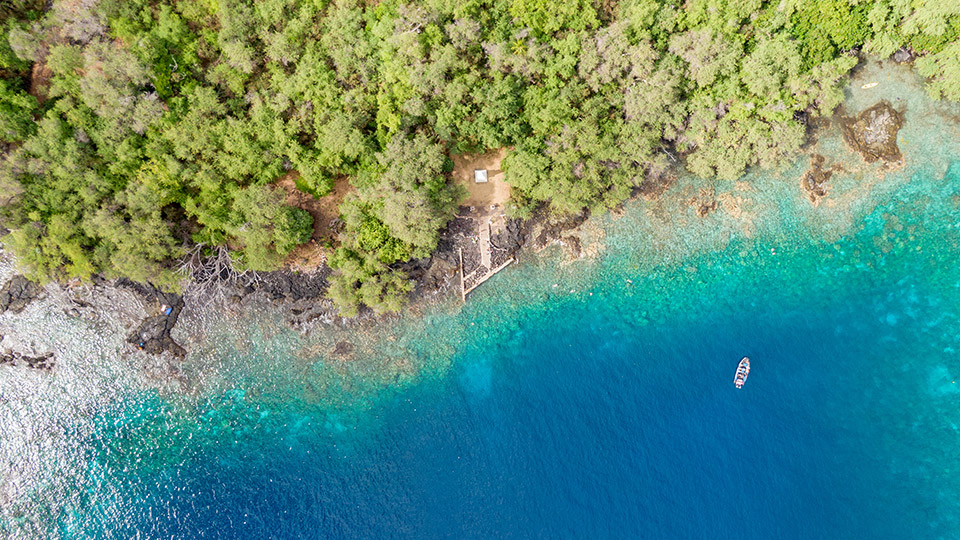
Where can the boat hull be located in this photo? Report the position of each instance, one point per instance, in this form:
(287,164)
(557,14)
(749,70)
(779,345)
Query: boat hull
(743,370)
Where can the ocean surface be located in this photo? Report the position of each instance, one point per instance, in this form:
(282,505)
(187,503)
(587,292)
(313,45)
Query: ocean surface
(588,398)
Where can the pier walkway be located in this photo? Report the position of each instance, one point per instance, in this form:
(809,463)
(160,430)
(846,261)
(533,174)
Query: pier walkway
(485,257)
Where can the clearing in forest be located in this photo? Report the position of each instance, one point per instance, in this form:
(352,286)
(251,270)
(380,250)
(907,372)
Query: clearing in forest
(486,202)
(40,76)
(325,212)
(488,198)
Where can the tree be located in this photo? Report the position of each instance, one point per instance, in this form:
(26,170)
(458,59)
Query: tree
(771,63)
(165,123)
(364,280)
(944,69)
(825,27)
(16,113)
(545,17)
(652,20)
(51,250)
(724,16)
(408,192)
(266,229)
(708,54)
(134,241)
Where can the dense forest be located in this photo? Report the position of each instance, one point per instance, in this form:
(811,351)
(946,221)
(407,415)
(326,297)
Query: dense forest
(134,130)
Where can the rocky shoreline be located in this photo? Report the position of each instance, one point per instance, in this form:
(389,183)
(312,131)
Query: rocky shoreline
(872,133)
(814,181)
(42,362)
(17,294)
(300,294)
(153,333)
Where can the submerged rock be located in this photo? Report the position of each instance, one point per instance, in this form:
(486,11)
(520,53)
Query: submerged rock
(301,319)
(43,362)
(551,228)
(705,202)
(17,294)
(573,247)
(705,208)
(873,133)
(814,181)
(343,349)
(656,184)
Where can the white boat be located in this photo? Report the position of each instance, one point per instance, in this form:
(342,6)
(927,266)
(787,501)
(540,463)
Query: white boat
(743,369)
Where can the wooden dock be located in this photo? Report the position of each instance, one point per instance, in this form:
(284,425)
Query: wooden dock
(463,291)
(479,278)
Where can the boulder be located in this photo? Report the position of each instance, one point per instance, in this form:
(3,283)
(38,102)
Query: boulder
(17,294)
(903,55)
(42,362)
(873,133)
(153,333)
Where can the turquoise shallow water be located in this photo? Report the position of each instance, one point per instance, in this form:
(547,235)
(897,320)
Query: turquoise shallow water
(567,399)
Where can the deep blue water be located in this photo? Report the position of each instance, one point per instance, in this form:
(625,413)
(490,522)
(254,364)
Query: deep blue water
(613,415)
(579,433)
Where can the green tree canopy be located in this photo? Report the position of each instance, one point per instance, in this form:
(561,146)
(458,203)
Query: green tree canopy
(131,130)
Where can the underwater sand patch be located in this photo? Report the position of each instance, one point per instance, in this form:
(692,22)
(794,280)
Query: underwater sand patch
(311,351)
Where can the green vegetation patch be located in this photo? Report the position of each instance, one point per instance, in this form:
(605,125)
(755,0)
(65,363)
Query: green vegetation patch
(162,124)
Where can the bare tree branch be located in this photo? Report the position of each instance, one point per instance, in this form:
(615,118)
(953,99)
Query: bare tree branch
(212,276)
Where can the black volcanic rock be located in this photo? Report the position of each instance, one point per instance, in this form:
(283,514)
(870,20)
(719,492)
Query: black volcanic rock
(17,294)
(873,133)
(903,55)
(814,181)
(153,333)
(43,362)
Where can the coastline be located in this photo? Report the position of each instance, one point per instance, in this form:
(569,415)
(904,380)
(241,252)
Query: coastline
(849,285)
(299,296)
